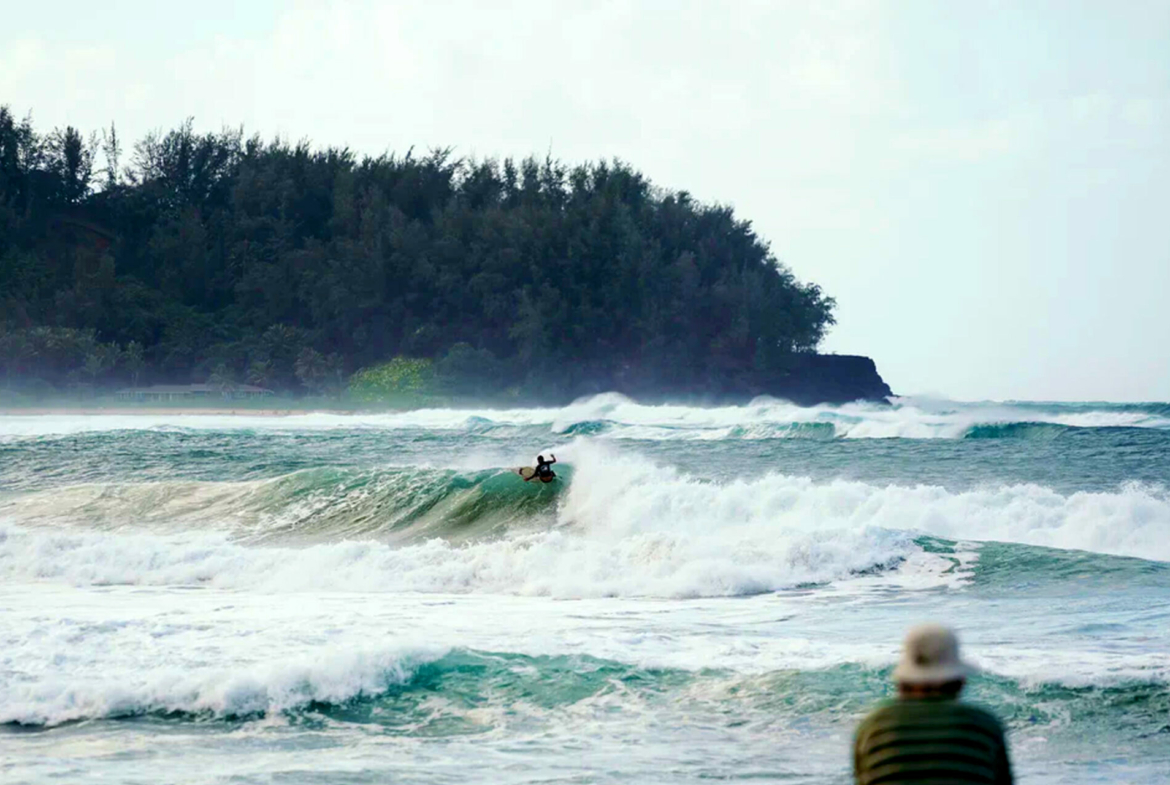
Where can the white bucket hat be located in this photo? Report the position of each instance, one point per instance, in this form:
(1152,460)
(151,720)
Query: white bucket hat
(930,655)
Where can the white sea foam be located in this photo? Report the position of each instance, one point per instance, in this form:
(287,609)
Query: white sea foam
(627,528)
(75,653)
(624,418)
(255,688)
(622,493)
(177,504)
(558,564)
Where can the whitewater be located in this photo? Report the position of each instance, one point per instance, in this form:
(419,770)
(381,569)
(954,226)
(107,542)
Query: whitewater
(704,593)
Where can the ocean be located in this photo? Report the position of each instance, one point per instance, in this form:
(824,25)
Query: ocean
(703,594)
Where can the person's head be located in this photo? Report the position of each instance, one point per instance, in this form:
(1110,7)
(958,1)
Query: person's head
(540,459)
(930,664)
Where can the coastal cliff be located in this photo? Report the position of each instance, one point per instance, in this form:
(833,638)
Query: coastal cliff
(805,379)
(831,378)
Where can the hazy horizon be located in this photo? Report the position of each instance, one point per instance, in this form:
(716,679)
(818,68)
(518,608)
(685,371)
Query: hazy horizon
(978,186)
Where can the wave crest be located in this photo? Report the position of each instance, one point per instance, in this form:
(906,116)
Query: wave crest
(614,416)
(438,691)
(615,525)
(392,503)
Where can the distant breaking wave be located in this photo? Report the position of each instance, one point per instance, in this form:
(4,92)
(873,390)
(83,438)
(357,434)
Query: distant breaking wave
(616,417)
(1018,430)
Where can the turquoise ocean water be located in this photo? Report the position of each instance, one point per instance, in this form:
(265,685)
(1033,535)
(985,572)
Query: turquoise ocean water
(704,594)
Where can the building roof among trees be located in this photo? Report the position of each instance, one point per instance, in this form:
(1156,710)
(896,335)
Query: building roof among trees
(193,389)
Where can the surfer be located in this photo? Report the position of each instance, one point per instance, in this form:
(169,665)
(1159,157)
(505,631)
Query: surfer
(544,471)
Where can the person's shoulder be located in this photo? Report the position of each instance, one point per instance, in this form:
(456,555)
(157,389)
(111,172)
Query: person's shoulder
(982,715)
(893,711)
(884,707)
(880,713)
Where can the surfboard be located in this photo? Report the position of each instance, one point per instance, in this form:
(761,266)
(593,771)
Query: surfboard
(527,472)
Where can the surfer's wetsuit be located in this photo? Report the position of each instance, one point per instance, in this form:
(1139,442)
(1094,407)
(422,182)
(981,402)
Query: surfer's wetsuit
(544,468)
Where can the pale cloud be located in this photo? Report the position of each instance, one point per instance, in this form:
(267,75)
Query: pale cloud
(1145,113)
(977,142)
(977,184)
(19,60)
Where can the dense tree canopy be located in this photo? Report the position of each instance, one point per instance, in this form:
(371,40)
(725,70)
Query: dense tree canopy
(216,255)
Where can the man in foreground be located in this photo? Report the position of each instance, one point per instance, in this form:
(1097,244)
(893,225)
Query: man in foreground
(926,734)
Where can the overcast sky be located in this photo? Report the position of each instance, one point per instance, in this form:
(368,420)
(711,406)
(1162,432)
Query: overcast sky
(983,186)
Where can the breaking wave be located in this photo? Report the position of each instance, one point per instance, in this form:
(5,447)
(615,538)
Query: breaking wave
(615,525)
(1018,430)
(617,417)
(392,504)
(433,691)
(552,563)
(214,693)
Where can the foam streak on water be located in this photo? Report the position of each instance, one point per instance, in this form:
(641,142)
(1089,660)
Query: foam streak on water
(703,593)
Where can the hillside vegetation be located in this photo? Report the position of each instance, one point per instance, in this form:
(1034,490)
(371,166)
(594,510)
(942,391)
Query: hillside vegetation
(215,256)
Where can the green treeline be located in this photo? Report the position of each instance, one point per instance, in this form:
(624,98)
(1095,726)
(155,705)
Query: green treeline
(213,256)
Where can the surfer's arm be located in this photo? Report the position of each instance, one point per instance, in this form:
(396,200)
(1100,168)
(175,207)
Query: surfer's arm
(553,457)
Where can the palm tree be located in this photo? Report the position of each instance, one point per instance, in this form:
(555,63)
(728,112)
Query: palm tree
(223,378)
(132,356)
(260,373)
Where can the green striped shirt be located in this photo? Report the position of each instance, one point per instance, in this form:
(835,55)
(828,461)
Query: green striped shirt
(931,740)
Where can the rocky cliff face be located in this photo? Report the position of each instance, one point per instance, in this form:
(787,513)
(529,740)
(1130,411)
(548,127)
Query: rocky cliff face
(807,379)
(830,378)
